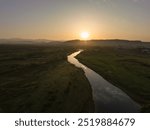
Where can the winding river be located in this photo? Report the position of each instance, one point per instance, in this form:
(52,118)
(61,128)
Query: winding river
(107,97)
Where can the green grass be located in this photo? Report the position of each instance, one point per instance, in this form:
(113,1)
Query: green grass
(127,68)
(36,78)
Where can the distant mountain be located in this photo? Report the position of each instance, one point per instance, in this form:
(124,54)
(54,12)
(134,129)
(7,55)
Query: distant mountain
(103,40)
(70,42)
(108,42)
(27,41)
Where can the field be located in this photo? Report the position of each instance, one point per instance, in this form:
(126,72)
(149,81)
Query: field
(38,78)
(127,66)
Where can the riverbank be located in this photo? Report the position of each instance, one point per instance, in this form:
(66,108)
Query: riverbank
(107,98)
(126,68)
(38,78)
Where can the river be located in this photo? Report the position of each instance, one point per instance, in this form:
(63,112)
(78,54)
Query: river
(107,97)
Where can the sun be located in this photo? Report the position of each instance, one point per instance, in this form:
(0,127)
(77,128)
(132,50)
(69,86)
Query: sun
(84,35)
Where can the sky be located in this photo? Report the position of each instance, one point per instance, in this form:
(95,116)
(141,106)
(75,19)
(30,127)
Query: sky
(66,19)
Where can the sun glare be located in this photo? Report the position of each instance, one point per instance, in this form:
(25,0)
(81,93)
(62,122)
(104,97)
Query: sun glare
(84,35)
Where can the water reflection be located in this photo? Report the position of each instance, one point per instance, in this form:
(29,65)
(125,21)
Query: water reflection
(107,97)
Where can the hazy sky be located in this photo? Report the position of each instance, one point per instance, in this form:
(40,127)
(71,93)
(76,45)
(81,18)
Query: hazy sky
(66,19)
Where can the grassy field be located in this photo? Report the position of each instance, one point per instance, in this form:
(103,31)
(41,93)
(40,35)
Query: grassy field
(38,78)
(125,66)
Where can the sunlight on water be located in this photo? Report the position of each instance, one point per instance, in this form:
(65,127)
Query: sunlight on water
(107,97)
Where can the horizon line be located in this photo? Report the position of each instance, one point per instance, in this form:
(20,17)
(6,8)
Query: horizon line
(96,39)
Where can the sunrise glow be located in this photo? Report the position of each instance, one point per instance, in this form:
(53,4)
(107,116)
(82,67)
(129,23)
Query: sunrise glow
(84,35)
